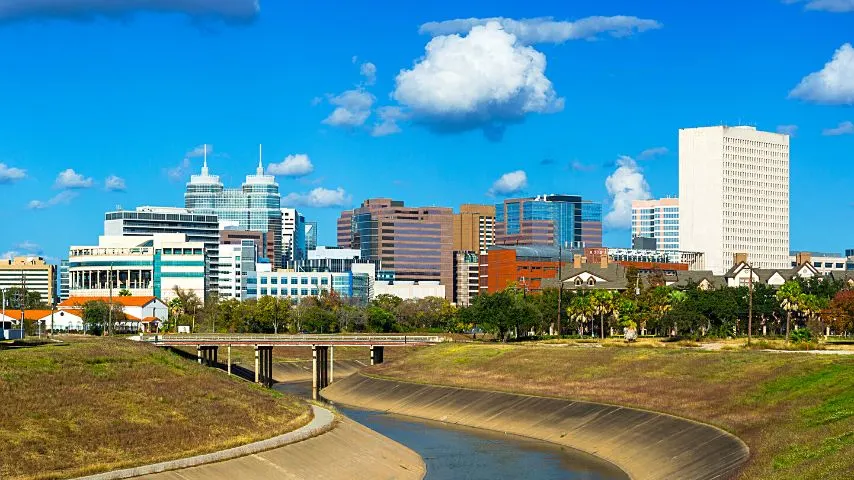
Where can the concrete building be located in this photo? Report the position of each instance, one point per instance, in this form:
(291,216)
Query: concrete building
(345,229)
(310,236)
(412,244)
(255,206)
(236,262)
(146,221)
(330,259)
(232,235)
(734,195)
(293,236)
(350,286)
(823,262)
(657,219)
(409,290)
(30,273)
(466,277)
(146,266)
(566,220)
(474,228)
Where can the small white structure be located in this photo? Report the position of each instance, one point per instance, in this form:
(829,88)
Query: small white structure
(409,289)
(63,321)
(136,308)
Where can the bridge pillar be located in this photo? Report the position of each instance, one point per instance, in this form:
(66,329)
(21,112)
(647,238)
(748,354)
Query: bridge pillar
(332,363)
(199,353)
(264,365)
(320,368)
(229,359)
(376,355)
(207,354)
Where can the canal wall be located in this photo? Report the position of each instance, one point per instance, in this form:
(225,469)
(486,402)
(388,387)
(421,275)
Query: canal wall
(644,444)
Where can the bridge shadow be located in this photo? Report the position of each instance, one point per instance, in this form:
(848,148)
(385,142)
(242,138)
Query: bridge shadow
(236,369)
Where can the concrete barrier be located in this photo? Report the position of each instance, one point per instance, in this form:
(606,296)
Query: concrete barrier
(644,444)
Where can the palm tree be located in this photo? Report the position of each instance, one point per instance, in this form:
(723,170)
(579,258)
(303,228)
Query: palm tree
(791,298)
(673,298)
(602,303)
(580,310)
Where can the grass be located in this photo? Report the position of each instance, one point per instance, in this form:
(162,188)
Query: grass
(795,411)
(102,404)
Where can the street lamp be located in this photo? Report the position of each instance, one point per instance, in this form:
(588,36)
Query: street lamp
(750,304)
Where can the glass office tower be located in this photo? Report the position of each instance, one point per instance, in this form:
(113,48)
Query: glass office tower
(549,220)
(255,206)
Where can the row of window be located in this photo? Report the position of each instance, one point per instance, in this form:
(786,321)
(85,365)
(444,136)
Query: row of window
(293,280)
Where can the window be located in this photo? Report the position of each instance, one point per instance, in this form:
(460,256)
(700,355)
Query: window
(263,280)
(578,282)
(293,292)
(274,280)
(324,281)
(263,291)
(303,291)
(314,280)
(303,281)
(591,281)
(314,291)
(294,281)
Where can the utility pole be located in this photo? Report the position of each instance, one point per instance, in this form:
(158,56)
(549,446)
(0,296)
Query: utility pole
(559,282)
(110,311)
(23,298)
(750,304)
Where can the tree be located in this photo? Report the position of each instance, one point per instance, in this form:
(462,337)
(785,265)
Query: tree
(96,316)
(32,300)
(124,292)
(580,310)
(603,303)
(840,312)
(790,296)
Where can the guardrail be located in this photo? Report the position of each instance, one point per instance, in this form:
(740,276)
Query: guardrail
(301,339)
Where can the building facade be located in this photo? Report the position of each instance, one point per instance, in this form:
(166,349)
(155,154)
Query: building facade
(734,195)
(566,220)
(823,262)
(63,279)
(350,286)
(412,244)
(525,267)
(147,221)
(32,274)
(255,206)
(474,228)
(236,262)
(145,266)
(293,235)
(310,236)
(657,219)
(345,229)
(264,245)
(466,277)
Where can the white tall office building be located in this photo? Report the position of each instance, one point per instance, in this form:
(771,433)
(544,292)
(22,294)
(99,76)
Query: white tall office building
(293,235)
(734,195)
(236,262)
(658,219)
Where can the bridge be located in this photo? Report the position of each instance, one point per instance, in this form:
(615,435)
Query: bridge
(322,349)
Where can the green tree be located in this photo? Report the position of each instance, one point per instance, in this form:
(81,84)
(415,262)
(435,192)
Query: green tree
(124,292)
(790,297)
(31,299)
(603,303)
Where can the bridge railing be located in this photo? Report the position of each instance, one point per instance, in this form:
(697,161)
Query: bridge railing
(273,338)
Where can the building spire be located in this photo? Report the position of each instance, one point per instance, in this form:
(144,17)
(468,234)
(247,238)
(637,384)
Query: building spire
(260,170)
(205,164)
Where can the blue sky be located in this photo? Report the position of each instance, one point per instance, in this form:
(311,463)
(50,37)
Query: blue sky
(131,94)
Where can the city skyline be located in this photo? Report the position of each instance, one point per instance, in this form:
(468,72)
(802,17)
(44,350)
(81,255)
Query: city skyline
(127,123)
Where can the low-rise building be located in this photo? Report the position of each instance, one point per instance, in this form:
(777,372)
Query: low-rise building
(135,308)
(30,273)
(408,289)
(740,273)
(823,262)
(466,277)
(235,264)
(150,266)
(525,266)
(298,285)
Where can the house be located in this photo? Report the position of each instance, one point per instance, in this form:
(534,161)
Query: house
(703,279)
(740,273)
(139,308)
(592,276)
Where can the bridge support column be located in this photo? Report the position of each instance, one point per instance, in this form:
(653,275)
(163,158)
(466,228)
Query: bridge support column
(376,355)
(264,365)
(320,369)
(332,363)
(207,354)
(229,359)
(199,353)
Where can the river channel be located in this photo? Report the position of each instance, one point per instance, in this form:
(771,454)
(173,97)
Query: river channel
(455,452)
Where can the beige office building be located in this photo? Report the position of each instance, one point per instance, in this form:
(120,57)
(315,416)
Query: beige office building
(30,273)
(474,228)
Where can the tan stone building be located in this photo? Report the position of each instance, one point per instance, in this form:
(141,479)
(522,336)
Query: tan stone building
(30,273)
(474,228)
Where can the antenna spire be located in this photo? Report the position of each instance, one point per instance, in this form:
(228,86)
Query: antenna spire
(205,164)
(260,157)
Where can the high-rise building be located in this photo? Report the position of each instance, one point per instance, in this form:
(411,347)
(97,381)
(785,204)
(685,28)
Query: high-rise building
(263,242)
(345,229)
(145,266)
(255,206)
(734,195)
(310,236)
(32,274)
(236,261)
(657,219)
(474,228)
(411,243)
(293,235)
(64,285)
(147,221)
(466,277)
(556,220)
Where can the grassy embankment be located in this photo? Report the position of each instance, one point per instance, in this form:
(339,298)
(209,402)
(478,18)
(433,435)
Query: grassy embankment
(795,411)
(102,404)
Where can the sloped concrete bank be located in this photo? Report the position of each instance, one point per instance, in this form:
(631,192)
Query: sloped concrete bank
(644,444)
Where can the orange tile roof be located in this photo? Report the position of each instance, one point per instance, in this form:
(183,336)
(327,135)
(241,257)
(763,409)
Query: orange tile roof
(29,315)
(131,318)
(77,302)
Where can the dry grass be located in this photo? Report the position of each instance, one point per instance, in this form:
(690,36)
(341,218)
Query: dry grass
(795,411)
(102,404)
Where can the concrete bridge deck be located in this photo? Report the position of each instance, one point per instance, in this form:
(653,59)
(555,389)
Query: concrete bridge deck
(291,340)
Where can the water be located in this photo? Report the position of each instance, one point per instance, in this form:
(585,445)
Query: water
(455,452)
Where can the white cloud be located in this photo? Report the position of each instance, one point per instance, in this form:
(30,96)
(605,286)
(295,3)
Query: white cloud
(114,183)
(28,246)
(353,108)
(627,183)
(68,178)
(844,128)
(835,6)
(789,130)
(11,174)
(834,84)
(318,198)
(64,196)
(298,165)
(546,30)
(510,183)
(369,71)
(652,153)
(485,80)
(387,125)
(581,167)
(229,9)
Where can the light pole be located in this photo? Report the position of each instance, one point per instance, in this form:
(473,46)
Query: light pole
(750,304)
(559,282)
